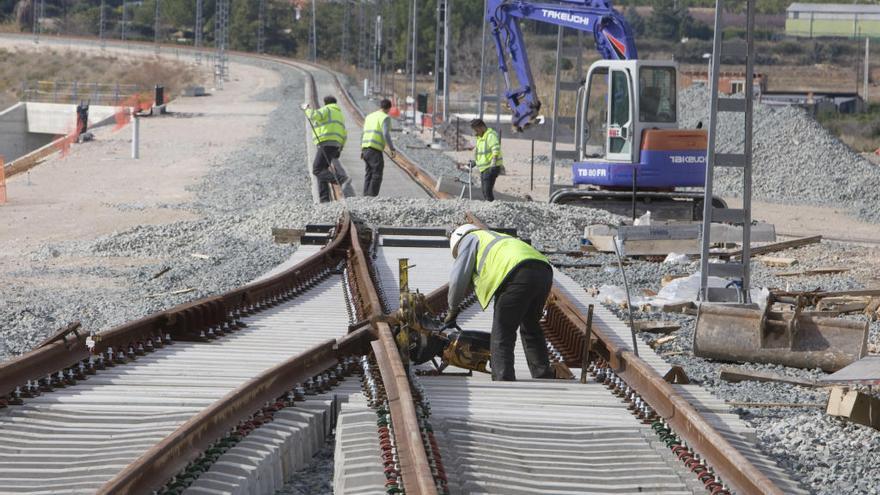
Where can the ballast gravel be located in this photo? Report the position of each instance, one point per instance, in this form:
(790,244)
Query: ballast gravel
(827,455)
(153,267)
(796,160)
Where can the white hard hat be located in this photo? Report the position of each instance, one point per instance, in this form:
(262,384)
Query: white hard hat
(458,234)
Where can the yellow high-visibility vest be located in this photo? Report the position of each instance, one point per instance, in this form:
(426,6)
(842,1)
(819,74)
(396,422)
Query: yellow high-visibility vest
(488,147)
(373,137)
(497,255)
(329,124)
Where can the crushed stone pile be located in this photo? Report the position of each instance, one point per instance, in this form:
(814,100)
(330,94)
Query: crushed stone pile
(796,160)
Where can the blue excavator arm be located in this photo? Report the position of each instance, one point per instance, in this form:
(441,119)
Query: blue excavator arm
(613,36)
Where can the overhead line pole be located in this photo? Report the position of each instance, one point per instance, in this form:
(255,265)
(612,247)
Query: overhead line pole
(157,23)
(447,26)
(124,17)
(415,51)
(101,27)
(200,26)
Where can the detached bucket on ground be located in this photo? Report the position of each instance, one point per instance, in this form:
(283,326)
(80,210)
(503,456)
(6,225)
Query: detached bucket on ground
(749,334)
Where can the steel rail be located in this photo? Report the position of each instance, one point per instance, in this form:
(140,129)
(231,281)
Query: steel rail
(569,322)
(186,321)
(415,470)
(170,456)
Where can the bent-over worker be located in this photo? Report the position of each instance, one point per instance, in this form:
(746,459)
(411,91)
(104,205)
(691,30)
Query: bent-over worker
(519,278)
(377,135)
(329,135)
(487,157)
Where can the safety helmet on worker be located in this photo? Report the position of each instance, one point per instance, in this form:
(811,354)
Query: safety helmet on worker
(457,236)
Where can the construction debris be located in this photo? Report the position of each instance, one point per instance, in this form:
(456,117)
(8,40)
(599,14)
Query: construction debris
(287,236)
(736,375)
(854,406)
(656,326)
(865,371)
(775,247)
(662,340)
(662,239)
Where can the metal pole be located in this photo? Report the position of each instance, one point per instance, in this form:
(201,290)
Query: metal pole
(483,59)
(553,125)
(532,174)
(710,156)
(343,52)
(437,46)
(867,69)
(125,16)
(35,14)
(156,24)
(313,41)
(135,135)
(200,20)
(446,32)
(629,311)
(101,27)
(415,52)
(261,27)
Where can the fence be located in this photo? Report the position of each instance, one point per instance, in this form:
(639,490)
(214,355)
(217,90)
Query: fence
(74,92)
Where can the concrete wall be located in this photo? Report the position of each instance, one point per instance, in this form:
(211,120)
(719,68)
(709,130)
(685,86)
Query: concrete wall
(15,138)
(60,118)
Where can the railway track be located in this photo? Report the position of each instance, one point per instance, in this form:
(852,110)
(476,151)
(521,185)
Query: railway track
(233,393)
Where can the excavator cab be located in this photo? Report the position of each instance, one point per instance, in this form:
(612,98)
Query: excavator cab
(627,129)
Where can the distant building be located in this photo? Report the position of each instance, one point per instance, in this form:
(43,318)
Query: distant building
(729,82)
(832,19)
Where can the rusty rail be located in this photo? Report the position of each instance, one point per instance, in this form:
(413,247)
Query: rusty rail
(567,322)
(167,458)
(186,321)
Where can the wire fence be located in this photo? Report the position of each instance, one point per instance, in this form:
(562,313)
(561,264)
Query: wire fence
(75,92)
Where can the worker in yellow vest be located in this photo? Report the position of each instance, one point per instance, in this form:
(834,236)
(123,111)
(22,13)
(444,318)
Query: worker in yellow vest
(376,136)
(487,157)
(329,135)
(519,278)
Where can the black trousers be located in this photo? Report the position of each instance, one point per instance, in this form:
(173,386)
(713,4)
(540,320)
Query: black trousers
(487,182)
(324,155)
(374,165)
(519,303)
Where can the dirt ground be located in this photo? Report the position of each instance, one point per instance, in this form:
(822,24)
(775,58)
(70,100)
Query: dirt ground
(97,188)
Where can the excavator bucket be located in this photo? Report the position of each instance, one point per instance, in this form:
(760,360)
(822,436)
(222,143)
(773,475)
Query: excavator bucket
(797,339)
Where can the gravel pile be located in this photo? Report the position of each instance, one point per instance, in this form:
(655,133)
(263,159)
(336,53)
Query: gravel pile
(796,160)
(129,274)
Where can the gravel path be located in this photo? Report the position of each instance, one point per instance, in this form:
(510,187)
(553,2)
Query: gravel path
(796,161)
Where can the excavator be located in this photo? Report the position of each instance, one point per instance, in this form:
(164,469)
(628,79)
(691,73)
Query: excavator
(629,148)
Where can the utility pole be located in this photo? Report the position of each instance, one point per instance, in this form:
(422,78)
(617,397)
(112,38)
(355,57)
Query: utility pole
(261,28)
(221,38)
(313,35)
(101,27)
(483,60)
(867,69)
(446,34)
(343,51)
(415,52)
(377,56)
(157,24)
(200,20)
(37,14)
(125,16)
